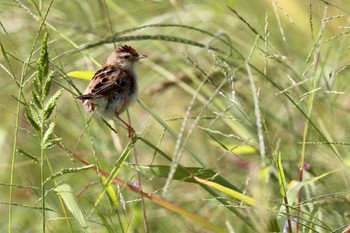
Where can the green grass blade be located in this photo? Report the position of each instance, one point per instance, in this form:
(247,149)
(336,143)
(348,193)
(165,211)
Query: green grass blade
(68,196)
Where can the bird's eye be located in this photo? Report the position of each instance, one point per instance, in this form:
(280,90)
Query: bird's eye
(127,56)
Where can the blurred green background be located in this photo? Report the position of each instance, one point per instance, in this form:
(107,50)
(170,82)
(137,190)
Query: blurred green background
(206,59)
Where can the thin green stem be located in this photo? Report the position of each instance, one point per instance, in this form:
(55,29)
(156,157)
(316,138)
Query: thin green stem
(42,173)
(20,95)
(308,114)
(14,153)
(145,221)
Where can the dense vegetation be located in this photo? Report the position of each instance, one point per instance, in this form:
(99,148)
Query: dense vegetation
(242,120)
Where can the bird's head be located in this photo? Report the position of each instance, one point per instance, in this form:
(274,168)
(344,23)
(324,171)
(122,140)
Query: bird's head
(124,58)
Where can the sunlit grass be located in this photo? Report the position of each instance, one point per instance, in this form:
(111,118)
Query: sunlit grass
(238,102)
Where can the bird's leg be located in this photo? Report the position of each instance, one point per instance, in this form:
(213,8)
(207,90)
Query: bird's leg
(131,131)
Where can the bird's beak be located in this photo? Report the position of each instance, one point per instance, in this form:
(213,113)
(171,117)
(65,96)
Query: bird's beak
(140,56)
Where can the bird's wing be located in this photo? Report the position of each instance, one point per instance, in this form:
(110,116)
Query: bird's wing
(107,81)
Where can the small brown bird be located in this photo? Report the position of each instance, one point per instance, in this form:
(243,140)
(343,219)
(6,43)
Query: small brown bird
(114,88)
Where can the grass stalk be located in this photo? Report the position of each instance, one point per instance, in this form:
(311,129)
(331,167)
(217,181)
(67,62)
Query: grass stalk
(19,97)
(310,104)
(138,173)
(42,175)
(13,157)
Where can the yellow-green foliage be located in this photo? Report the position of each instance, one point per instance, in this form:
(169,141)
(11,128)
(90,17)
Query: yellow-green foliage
(238,101)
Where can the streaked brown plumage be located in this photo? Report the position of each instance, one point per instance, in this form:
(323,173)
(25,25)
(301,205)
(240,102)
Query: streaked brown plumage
(114,88)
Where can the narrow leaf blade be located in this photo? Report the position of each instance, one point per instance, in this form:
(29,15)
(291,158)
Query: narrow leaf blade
(230,192)
(113,197)
(87,75)
(66,193)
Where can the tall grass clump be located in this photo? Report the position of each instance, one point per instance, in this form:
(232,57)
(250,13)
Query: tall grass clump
(38,114)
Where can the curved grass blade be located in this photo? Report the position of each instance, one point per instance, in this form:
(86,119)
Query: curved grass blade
(87,75)
(66,193)
(175,39)
(293,192)
(230,192)
(186,175)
